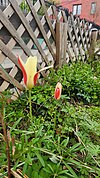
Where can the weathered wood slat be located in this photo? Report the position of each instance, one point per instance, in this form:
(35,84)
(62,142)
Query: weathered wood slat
(59,15)
(28,27)
(8,11)
(13,32)
(64,38)
(40,27)
(8,53)
(10,79)
(76,36)
(54,12)
(84,29)
(37,5)
(67,46)
(81,35)
(70,36)
(61,43)
(47,18)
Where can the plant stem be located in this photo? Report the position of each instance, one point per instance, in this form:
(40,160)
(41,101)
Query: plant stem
(30,105)
(7,142)
(54,123)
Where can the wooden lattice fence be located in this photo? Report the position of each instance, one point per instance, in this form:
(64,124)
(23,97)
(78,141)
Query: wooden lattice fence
(52,36)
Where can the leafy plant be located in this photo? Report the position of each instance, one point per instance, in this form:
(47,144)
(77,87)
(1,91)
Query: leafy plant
(80,82)
(72,149)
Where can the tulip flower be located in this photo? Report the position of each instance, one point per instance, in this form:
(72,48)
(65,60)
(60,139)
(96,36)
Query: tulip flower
(58,90)
(29,70)
(30,75)
(57,95)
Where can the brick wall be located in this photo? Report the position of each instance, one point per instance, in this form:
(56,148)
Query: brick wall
(86,9)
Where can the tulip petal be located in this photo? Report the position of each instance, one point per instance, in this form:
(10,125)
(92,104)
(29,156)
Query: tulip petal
(31,68)
(57,93)
(58,90)
(36,78)
(22,66)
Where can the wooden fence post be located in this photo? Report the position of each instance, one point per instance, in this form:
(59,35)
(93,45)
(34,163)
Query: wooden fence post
(94,35)
(93,43)
(61,43)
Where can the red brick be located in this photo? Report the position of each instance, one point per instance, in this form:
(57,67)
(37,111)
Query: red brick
(86,8)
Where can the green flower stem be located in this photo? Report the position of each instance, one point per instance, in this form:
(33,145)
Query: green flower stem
(30,105)
(55,123)
(30,112)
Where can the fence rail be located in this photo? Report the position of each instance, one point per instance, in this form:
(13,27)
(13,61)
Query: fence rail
(54,37)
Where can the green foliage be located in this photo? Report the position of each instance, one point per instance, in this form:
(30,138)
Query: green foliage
(80,81)
(24,6)
(72,149)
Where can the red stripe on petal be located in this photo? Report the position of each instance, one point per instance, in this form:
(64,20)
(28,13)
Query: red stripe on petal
(35,78)
(23,70)
(57,93)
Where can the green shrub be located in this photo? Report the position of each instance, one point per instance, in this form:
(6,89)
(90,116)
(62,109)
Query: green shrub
(80,82)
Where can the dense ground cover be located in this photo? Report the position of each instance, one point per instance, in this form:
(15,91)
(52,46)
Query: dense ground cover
(63,138)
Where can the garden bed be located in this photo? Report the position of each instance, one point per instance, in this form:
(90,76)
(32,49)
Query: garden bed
(63,138)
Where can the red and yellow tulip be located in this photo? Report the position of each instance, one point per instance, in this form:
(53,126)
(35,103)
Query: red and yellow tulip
(29,70)
(58,90)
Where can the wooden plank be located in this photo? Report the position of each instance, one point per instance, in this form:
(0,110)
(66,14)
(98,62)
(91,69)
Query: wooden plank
(69,51)
(61,43)
(49,11)
(41,27)
(70,35)
(82,39)
(2,57)
(55,12)
(64,43)
(13,32)
(19,2)
(57,62)
(28,28)
(76,35)
(8,11)
(59,15)
(84,29)
(43,21)
(47,18)
(37,5)
(8,53)
(10,79)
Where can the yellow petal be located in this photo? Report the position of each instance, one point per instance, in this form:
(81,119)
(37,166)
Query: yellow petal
(31,69)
